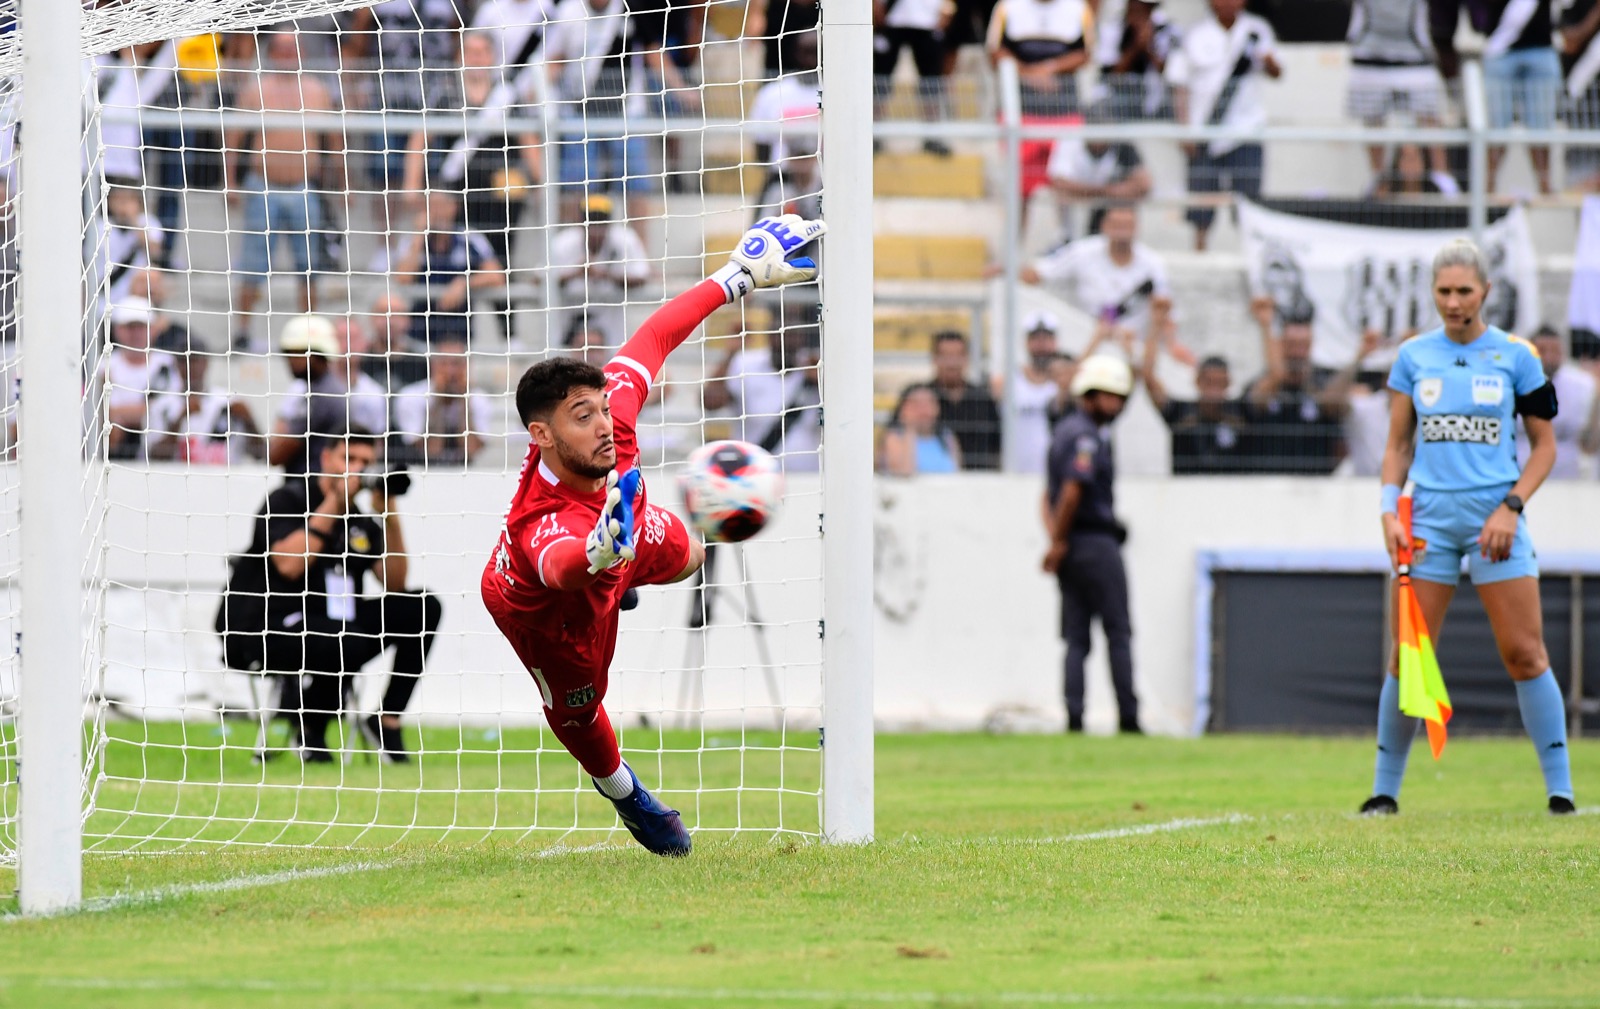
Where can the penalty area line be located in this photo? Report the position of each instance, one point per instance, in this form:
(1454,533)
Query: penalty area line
(631,994)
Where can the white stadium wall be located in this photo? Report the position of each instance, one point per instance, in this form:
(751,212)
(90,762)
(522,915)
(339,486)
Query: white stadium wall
(965,621)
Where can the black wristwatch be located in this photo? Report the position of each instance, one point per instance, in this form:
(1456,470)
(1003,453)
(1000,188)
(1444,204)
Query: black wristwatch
(1514,503)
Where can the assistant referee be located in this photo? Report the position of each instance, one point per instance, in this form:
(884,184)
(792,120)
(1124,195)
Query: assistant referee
(1456,392)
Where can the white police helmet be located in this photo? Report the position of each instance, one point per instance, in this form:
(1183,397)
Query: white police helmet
(1103,373)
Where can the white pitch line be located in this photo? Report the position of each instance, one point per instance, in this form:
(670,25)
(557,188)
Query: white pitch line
(1165,827)
(768,996)
(131,898)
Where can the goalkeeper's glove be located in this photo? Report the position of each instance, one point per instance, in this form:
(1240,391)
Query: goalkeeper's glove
(611,542)
(766,256)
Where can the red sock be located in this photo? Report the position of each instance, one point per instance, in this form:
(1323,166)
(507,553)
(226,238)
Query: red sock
(593,743)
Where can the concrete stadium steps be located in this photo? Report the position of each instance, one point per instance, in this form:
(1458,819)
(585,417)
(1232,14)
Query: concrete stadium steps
(960,176)
(910,331)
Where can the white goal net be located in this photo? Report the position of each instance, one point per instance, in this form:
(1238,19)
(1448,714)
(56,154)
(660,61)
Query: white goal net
(306,216)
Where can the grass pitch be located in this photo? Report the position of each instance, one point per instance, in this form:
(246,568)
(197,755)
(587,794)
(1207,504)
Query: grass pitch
(1008,871)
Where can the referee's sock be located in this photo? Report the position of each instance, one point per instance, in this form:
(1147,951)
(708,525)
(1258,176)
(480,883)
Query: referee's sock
(1395,731)
(1544,715)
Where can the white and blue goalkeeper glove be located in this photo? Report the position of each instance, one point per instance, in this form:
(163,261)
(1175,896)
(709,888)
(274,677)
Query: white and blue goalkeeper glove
(766,256)
(611,542)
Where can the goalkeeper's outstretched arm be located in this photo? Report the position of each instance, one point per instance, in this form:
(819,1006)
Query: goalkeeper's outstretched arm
(768,255)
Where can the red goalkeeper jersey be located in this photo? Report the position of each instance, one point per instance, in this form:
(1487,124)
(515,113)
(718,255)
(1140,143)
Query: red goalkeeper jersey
(567,638)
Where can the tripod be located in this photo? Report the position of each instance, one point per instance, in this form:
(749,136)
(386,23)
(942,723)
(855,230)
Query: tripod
(702,606)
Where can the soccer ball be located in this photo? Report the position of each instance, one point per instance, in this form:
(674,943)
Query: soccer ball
(732,490)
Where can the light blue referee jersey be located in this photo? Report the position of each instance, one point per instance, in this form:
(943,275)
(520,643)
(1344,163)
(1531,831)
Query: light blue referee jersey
(1465,397)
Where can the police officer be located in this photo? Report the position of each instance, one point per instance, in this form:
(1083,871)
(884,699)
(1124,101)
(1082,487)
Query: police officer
(1085,537)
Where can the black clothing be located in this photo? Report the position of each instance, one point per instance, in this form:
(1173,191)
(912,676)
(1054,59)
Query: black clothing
(786,19)
(1080,453)
(1292,432)
(317,627)
(975,421)
(1092,579)
(1094,584)
(1213,446)
(1535,34)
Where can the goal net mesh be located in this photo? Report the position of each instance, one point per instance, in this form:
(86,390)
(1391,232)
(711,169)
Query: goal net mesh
(453,190)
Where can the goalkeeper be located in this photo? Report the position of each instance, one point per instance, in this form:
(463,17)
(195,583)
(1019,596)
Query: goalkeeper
(1456,392)
(580,531)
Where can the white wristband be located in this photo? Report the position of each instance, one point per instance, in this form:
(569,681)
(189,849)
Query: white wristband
(735,280)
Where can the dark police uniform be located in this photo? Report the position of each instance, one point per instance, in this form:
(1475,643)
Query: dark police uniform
(320,623)
(1092,579)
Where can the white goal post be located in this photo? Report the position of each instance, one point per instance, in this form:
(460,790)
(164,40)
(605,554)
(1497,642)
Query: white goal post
(83,590)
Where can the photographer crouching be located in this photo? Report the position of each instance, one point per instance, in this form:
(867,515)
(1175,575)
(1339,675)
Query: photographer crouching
(295,606)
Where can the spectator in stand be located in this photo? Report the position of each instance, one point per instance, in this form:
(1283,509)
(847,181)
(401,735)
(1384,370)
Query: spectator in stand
(1580,59)
(1575,392)
(1392,71)
(131,242)
(518,28)
(1216,76)
(449,263)
(133,375)
(368,397)
(1296,408)
(274,175)
(397,55)
(1132,56)
(916,442)
(917,25)
(316,407)
(194,425)
(604,57)
(1521,77)
(493,167)
(1041,390)
(790,99)
(1048,42)
(597,267)
(1366,424)
(442,420)
(965,407)
(586,343)
(774,391)
(126,81)
(1111,276)
(1208,432)
(392,357)
(1408,175)
(775,23)
(1094,173)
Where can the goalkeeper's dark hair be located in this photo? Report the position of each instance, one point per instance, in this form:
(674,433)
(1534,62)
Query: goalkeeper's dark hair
(544,386)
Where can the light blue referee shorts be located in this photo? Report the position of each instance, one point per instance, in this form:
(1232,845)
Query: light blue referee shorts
(1447,524)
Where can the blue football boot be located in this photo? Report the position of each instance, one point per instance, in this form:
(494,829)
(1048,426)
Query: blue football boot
(653,825)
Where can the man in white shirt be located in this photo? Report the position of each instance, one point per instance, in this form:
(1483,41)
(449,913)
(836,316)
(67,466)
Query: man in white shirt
(596,267)
(605,57)
(1216,77)
(1041,392)
(791,100)
(518,27)
(442,419)
(132,374)
(1575,392)
(368,398)
(1111,276)
(1094,173)
(774,391)
(192,424)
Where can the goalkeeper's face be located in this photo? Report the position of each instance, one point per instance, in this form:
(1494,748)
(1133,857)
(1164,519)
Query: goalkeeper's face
(579,434)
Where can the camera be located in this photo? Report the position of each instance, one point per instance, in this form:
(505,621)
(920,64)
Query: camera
(392,481)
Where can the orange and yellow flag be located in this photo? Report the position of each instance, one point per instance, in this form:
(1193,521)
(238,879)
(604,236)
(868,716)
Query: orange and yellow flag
(1422,691)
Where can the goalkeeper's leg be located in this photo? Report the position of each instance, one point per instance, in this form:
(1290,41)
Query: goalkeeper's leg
(588,736)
